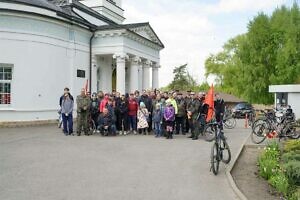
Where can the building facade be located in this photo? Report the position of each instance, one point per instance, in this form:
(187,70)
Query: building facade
(287,95)
(47,45)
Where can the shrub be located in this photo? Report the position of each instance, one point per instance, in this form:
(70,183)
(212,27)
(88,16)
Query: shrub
(292,171)
(295,195)
(293,155)
(280,183)
(292,145)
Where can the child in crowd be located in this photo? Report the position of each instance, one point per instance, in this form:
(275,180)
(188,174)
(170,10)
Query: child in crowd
(142,116)
(157,119)
(169,116)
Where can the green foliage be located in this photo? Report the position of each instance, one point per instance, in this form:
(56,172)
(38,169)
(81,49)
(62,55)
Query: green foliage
(292,145)
(183,80)
(269,161)
(269,53)
(289,156)
(267,167)
(295,195)
(280,183)
(292,171)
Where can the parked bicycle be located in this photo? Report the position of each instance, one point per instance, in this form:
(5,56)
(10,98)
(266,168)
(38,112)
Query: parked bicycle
(220,150)
(229,122)
(273,126)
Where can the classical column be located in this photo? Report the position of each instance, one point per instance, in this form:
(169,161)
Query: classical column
(155,78)
(120,61)
(146,74)
(140,68)
(94,73)
(134,73)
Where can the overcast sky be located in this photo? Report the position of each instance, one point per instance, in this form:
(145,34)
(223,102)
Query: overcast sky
(192,29)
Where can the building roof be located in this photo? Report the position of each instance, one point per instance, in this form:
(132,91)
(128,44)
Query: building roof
(38,3)
(129,27)
(62,11)
(230,98)
(65,9)
(284,88)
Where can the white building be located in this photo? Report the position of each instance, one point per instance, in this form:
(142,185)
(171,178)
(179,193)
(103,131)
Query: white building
(287,95)
(46,45)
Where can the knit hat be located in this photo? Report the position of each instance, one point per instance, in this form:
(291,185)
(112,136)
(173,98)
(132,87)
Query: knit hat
(142,105)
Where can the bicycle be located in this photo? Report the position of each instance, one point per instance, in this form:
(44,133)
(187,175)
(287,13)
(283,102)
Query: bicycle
(229,121)
(220,150)
(274,126)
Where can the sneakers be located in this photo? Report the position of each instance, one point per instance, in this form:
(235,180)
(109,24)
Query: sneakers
(134,132)
(125,132)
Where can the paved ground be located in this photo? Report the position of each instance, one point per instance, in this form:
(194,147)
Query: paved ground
(41,163)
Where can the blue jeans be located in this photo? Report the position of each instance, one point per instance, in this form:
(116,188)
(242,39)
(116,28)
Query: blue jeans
(67,123)
(132,122)
(157,129)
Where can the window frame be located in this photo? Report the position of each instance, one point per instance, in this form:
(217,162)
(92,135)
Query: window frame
(11,66)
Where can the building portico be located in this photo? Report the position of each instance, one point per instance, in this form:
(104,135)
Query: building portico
(124,60)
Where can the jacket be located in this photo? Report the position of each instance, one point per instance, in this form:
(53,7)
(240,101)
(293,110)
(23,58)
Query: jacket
(169,113)
(103,103)
(157,116)
(132,107)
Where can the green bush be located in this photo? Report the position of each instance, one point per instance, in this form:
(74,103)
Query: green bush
(289,156)
(295,195)
(292,145)
(280,183)
(292,171)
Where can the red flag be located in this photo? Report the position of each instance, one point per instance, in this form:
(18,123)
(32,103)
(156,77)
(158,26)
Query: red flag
(86,87)
(209,100)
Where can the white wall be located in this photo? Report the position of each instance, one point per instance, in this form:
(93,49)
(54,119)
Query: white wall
(105,66)
(45,55)
(294,102)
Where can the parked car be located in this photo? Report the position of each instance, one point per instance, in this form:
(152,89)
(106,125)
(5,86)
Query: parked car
(241,109)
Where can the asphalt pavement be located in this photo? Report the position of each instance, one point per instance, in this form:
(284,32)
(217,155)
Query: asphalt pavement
(40,163)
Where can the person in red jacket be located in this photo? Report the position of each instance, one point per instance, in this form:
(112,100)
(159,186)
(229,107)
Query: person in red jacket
(132,112)
(103,103)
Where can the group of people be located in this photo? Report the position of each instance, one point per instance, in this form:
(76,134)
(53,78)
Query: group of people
(163,113)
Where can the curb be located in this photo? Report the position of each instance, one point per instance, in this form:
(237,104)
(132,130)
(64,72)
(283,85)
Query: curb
(16,124)
(231,182)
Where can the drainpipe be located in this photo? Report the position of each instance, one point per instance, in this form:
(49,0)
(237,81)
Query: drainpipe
(91,42)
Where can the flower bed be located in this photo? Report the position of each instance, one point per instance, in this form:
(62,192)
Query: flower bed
(281,167)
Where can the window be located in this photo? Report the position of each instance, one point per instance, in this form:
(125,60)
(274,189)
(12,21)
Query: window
(5,83)
(80,73)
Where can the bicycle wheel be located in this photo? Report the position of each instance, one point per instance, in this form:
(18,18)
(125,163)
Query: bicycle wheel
(225,151)
(290,132)
(258,121)
(259,133)
(230,123)
(214,158)
(209,133)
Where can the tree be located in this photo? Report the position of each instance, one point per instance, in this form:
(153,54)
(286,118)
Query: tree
(182,79)
(269,53)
